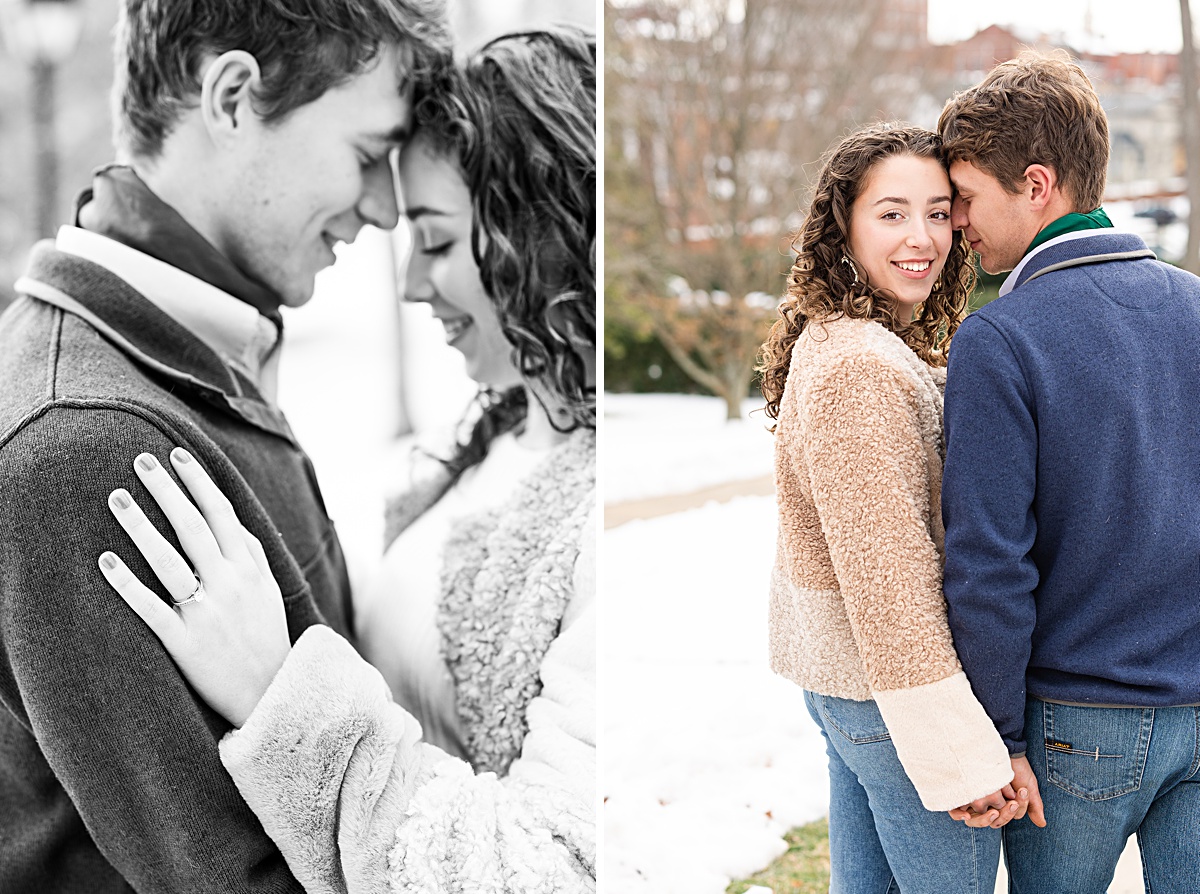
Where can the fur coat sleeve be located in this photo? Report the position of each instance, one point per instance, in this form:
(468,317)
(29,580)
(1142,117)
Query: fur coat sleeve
(342,782)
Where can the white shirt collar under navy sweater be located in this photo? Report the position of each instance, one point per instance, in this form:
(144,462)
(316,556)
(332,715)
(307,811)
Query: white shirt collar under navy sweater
(1018,273)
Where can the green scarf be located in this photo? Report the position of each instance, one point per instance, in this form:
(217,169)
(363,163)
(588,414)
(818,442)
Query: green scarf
(1070,223)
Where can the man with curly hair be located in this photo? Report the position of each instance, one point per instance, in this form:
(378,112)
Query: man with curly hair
(251,138)
(1070,490)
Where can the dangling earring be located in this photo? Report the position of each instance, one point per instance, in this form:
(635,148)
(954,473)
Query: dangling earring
(853,269)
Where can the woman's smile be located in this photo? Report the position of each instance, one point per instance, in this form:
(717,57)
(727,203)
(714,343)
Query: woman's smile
(456,326)
(914,269)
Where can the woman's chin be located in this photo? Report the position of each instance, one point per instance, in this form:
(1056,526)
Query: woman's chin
(487,376)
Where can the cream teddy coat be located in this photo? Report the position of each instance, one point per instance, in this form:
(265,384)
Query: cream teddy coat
(856,605)
(356,802)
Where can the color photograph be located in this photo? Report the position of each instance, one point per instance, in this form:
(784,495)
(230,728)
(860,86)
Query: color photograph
(898,454)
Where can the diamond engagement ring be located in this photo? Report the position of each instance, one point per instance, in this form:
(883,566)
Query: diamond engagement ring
(197,595)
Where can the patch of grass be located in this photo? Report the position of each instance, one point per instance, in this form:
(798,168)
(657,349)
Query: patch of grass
(804,869)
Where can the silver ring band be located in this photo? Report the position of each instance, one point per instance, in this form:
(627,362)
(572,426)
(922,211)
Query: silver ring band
(197,595)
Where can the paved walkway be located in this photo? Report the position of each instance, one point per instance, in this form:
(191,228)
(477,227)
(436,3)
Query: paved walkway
(1128,879)
(652,507)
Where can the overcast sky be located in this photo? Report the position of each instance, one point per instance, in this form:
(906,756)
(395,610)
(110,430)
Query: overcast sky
(1124,26)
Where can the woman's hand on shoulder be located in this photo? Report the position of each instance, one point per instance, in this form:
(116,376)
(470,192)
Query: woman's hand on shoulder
(227,630)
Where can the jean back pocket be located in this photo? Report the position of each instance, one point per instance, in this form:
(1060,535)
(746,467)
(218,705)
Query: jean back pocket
(858,722)
(1096,753)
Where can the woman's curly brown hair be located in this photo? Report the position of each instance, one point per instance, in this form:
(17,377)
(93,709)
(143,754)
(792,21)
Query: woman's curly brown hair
(822,286)
(519,117)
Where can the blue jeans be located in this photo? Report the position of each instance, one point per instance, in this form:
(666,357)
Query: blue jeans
(1106,774)
(881,840)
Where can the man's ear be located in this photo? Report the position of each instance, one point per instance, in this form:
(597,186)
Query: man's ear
(1041,183)
(225,94)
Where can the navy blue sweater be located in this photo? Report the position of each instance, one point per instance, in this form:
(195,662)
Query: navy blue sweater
(1071,494)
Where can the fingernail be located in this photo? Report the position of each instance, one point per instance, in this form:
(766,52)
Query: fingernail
(108,560)
(121,499)
(180,455)
(147,462)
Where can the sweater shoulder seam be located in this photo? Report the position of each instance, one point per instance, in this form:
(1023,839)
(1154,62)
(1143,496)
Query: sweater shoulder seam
(155,417)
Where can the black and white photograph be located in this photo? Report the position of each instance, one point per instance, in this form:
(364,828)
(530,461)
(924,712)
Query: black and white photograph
(298,446)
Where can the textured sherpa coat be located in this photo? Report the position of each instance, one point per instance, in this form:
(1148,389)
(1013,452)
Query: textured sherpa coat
(856,608)
(356,802)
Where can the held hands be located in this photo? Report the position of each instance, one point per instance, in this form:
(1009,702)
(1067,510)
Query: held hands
(1016,800)
(227,631)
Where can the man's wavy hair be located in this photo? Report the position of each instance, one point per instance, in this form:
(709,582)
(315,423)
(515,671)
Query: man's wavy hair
(822,286)
(1035,109)
(520,119)
(303,48)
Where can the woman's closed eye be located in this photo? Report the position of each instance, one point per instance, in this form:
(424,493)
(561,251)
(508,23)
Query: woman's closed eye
(437,250)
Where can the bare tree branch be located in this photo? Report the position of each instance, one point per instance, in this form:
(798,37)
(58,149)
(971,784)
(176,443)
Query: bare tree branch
(713,110)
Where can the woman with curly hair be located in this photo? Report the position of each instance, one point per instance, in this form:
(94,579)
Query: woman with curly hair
(518,301)
(492,558)
(853,372)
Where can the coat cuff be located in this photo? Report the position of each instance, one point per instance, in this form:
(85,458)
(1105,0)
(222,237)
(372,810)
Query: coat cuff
(291,758)
(947,744)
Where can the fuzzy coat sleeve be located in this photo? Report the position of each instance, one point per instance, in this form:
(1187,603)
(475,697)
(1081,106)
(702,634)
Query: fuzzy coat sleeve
(875,477)
(342,782)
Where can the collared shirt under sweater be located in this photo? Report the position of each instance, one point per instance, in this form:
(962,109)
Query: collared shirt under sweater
(110,779)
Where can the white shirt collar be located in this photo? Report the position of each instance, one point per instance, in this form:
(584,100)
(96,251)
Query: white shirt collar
(242,336)
(1010,282)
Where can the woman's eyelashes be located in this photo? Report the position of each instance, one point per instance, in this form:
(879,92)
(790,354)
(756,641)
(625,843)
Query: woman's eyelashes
(939,214)
(438,250)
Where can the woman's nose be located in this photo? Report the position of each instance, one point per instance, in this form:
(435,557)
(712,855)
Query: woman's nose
(416,278)
(919,235)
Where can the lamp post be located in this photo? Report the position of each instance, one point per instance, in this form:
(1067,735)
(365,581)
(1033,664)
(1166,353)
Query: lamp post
(43,34)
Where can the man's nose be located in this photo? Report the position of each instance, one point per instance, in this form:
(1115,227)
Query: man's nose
(377,205)
(958,214)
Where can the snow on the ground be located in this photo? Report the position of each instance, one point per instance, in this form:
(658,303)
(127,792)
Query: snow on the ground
(707,757)
(657,444)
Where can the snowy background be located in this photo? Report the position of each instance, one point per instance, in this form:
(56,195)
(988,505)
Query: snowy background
(707,758)
(657,444)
